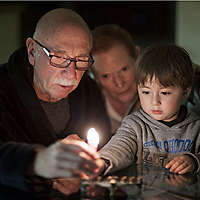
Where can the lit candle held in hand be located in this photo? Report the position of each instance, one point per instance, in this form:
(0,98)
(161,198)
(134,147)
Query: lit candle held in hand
(93,138)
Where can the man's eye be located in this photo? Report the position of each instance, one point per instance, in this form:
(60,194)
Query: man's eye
(105,76)
(56,56)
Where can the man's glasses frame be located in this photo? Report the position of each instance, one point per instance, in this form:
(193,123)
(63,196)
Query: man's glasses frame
(68,59)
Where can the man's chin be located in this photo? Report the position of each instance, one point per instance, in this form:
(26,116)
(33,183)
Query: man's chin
(58,97)
(63,93)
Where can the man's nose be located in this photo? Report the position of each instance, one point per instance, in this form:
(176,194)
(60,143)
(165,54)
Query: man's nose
(70,71)
(118,80)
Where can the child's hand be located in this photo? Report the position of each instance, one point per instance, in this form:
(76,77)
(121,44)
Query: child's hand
(178,180)
(181,164)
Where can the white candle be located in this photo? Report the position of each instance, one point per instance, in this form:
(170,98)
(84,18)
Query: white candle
(93,138)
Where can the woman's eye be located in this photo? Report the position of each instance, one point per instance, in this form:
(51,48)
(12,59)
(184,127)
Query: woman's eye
(125,68)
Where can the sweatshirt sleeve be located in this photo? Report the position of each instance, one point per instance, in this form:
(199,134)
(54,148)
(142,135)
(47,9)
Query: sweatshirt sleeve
(196,154)
(14,161)
(196,160)
(121,149)
(197,157)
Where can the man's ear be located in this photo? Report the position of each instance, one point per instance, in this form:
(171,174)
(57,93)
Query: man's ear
(30,45)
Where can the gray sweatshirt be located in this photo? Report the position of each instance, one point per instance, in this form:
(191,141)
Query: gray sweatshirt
(144,139)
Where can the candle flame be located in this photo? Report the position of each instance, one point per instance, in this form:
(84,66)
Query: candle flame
(93,138)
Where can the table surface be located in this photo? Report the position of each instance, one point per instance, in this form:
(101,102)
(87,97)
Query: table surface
(142,182)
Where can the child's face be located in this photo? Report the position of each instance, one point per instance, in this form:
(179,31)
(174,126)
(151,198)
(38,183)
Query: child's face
(159,102)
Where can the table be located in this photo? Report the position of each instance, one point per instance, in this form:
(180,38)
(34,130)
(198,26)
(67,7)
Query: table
(147,182)
(141,182)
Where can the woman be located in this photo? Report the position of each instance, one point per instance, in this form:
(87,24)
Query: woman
(115,53)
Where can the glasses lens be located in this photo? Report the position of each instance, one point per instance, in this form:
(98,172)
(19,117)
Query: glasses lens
(59,60)
(82,63)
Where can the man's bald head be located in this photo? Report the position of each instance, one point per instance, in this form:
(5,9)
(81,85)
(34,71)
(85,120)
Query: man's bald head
(56,19)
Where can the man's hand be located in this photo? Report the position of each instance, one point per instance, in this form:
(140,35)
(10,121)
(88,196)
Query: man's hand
(67,186)
(181,164)
(72,137)
(71,159)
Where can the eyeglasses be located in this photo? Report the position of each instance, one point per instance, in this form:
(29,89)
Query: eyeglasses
(82,63)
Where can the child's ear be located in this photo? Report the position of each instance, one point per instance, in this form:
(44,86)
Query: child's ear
(187,92)
(137,49)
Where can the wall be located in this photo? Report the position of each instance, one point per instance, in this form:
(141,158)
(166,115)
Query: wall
(187,28)
(187,31)
(10,29)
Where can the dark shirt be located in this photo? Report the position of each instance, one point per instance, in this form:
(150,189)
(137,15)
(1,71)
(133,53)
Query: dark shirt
(58,114)
(24,123)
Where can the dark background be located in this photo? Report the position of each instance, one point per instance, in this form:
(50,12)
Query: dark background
(148,22)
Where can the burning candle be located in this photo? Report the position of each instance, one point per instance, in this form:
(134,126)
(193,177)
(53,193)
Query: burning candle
(93,138)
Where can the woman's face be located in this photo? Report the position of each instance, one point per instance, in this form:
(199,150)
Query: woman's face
(114,71)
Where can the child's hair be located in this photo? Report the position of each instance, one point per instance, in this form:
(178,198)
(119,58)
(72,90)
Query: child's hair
(108,35)
(170,64)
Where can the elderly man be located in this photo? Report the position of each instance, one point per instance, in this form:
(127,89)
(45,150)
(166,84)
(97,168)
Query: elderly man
(38,108)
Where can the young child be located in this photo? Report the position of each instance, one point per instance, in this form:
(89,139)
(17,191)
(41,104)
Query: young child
(162,132)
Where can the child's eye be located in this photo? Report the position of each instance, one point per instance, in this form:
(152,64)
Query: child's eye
(145,92)
(165,93)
